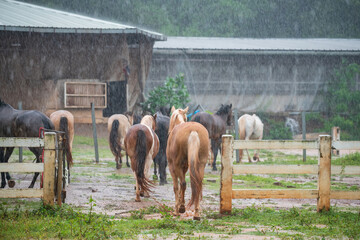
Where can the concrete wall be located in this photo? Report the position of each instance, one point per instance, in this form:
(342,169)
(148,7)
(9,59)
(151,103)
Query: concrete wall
(252,81)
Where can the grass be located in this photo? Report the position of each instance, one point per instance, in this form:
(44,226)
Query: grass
(35,221)
(65,222)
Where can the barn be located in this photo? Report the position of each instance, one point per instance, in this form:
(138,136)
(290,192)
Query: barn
(268,75)
(52,60)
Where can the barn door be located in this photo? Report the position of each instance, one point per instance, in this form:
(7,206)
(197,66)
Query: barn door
(116,98)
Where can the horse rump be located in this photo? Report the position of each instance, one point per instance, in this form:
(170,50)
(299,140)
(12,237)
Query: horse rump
(64,127)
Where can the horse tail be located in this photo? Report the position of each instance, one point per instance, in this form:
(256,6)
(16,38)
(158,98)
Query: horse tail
(193,159)
(114,135)
(140,151)
(64,126)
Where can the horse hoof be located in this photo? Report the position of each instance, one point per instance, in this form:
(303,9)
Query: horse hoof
(11,183)
(182,209)
(138,200)
(118,166)
(127,164)
(2,186)
(196,218)
(214,168)
(163,182)
(141,194)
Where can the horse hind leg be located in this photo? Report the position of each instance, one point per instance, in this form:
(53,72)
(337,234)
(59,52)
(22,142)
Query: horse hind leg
(10,181)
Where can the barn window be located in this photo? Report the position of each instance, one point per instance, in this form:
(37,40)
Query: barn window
(82,94)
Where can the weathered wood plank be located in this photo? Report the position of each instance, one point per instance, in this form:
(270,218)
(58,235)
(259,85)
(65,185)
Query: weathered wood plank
(275,169)
(348,170)
(21,193)
(21,142)
(21,167)
(226,174)
(273,144)
(345,195)
(324,182)
(49,168)
(275,193)
(346,145)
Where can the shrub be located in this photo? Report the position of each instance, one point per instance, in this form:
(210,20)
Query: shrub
(173,93)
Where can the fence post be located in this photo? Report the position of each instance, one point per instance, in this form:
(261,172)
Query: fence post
(94,132)
(226,174)
(324,184)
(49,168)
(59,185)
(303,120)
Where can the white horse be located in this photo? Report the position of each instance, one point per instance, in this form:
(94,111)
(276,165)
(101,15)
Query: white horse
(250,128)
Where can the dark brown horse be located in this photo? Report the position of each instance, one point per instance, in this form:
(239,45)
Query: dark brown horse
(187,149)
(20,123)
(161,130)
(216,126)
(142,145)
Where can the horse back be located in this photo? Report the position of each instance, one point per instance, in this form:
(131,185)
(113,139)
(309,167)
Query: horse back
(178,139)
(28,124)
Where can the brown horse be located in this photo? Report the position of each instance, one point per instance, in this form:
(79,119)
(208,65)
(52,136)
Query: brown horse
(187,148)
(118,125)
(64,121)
(216,126)
(142,145)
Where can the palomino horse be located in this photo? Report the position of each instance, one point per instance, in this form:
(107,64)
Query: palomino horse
(250,127)
(64,121)
(21,123)
(216,126)
(118,125)
(187,148)
(161,130)
(142,145)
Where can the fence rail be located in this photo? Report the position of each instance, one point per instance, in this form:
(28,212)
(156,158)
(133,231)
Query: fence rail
(48,167)
(323,193)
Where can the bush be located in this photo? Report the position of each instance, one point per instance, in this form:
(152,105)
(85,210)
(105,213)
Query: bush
(173,93)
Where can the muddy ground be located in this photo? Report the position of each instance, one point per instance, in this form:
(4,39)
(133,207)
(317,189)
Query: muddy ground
(114,194)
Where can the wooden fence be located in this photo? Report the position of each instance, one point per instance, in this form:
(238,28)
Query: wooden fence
(47,193)
(323,193)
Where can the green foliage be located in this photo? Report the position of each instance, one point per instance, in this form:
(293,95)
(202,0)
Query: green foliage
(343,101)
(227,18)
(274,128)
(173,93)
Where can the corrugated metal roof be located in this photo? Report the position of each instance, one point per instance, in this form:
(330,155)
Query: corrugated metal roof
(270,44)
(19,16)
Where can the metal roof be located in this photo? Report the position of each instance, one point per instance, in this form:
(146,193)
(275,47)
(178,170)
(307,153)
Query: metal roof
(256,44)
(20,16)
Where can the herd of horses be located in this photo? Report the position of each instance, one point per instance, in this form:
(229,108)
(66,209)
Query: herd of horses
(166,139)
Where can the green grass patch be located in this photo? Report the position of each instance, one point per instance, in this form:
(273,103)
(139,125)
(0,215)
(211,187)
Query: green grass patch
(66,222)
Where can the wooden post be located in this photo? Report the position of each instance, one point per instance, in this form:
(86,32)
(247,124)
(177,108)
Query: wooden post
(335,134)
(60,171)
(324,181)
(94,132)
(236,134)
(20,148)
(226,174)
(49,168)
(303,119)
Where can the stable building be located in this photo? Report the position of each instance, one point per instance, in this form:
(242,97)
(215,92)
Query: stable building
(51,60)
(268,75)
